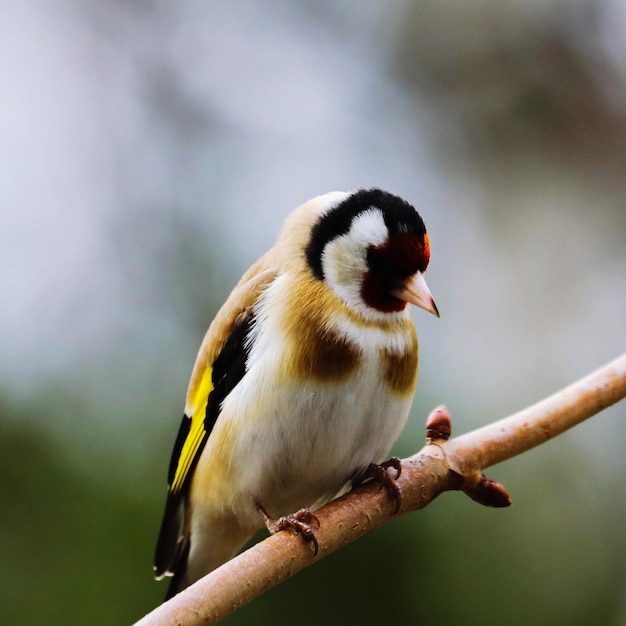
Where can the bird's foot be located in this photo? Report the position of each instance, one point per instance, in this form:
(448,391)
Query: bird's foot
(378,473)
(301,522)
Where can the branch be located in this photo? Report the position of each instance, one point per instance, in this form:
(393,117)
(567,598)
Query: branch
(440,466)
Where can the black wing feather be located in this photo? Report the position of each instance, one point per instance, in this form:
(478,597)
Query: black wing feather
(228,369)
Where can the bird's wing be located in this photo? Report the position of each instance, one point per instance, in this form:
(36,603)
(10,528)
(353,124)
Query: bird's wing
(220,365)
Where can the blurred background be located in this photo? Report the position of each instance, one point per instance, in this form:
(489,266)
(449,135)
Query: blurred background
(149,152)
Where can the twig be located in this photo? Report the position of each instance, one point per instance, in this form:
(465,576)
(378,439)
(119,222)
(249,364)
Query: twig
(441,465)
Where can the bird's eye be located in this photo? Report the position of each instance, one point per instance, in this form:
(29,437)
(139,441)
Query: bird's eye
(379,264)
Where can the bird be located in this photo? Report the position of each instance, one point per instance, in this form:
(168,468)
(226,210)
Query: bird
(303,381)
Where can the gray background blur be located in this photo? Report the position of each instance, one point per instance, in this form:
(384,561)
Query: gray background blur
(148,154)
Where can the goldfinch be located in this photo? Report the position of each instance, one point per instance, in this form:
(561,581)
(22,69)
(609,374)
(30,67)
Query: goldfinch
(303,380)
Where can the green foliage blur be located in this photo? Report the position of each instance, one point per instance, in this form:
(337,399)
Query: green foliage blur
(155,153)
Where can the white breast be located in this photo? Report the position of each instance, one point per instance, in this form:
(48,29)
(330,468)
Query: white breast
(298,442)
(298,445)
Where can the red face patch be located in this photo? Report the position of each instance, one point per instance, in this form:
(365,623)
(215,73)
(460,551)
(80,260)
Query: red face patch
(406,253)
(375,293)
(401,256)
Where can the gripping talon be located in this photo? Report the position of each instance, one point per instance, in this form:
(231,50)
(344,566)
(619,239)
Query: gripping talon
(394,462)
(301,522)
(378,473)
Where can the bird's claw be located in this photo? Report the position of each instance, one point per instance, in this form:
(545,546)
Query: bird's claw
(378,473)
(301,522)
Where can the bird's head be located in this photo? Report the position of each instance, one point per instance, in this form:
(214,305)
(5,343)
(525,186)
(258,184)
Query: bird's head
(371,249)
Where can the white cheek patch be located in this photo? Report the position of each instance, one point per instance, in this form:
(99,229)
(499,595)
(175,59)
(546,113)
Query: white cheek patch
(343,263)
(344,260)
(368,229)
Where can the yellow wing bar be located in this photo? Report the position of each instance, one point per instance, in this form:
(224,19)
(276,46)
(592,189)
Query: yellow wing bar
(196,432)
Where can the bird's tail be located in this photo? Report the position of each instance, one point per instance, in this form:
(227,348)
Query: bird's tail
(208,548)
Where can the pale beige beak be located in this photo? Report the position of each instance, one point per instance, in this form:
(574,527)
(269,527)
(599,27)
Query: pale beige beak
(416,291)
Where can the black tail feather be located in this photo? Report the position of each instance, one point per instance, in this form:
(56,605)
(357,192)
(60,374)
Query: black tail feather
(175,584)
